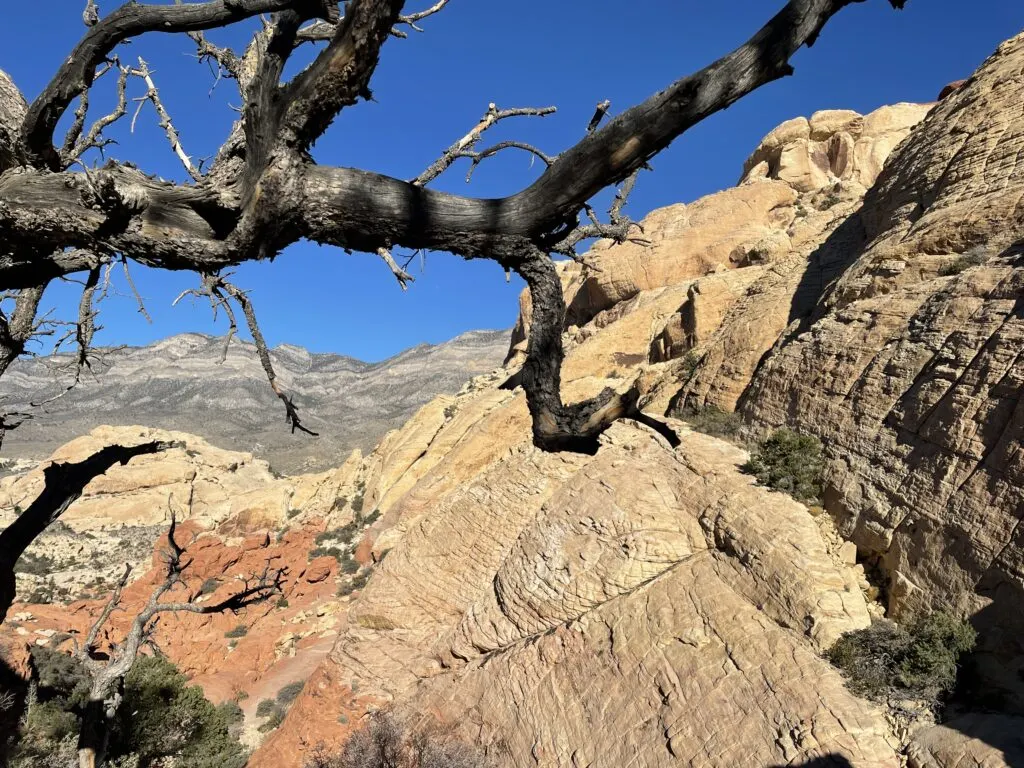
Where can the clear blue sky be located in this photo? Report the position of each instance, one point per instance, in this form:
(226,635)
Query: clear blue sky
(432,87)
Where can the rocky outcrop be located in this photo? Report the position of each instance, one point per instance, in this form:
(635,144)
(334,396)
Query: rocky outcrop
(909,368)
(666,575)
(121,512)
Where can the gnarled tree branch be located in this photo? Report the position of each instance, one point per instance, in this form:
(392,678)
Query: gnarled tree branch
(267,192)
(63,483)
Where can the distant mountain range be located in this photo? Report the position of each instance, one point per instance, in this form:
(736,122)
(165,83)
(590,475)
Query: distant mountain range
(179,384)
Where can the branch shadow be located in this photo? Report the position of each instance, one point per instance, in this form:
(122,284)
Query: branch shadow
(827,761)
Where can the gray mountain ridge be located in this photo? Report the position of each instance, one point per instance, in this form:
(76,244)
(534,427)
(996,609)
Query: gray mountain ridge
(178,383)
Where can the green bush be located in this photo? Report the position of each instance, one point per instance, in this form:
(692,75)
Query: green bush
(231,712)
(356,582)
(265,707)
(161,720)
(371,518)
(713,421)
(240,631)
(348,565)
(282,602)
(162,716)
(917,661)
(290,692)
(971,258)
(273,721)
(209,586)
(60,676)
(790,462)
(334,552)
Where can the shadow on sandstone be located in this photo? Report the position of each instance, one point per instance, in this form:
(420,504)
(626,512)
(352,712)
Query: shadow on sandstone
(828,761)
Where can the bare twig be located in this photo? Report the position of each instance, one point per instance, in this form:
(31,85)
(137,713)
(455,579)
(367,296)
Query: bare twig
(620,227)
(322,31)
(291,411)
(84,652)
(152,95)
(135,291)
(214,287)
(599,113)
(400,274)
(464,146)
(74,145)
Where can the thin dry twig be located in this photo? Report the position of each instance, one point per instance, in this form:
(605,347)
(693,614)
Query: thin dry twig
(403,277)
(214,287)
(323,31)
(153,96)
(464,146)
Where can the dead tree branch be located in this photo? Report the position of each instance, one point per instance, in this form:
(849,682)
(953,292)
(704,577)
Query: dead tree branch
(63,484)
(464,146)
(265,191)
(104,690)
(153,96)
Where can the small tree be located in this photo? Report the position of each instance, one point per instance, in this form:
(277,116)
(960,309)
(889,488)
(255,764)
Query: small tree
(917,661)
(107,677)
(789,462)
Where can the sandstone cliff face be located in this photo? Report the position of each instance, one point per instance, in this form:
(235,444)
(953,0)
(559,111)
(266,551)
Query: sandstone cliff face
(909,368)
(548,604)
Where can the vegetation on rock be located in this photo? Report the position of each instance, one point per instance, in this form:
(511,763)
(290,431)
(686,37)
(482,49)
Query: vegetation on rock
(385,743)
(790,462)
(161,720)
(917,661)
(713,421)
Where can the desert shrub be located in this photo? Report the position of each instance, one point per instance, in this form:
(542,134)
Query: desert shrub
(36,565)
(343,533)
(240,631)
(209,586)
(970,258)
(384,743)
(292,513)
(790,462)
(290,692)
(334,552)
(282,602)
(60,676)
(713,421)
(231,712)
(161,720)
(162,716)
(348,564)
(265,708)
(356,582)
(917,661)
(275,719)
(371,518)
